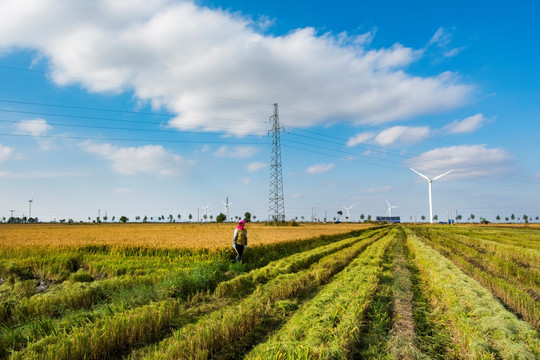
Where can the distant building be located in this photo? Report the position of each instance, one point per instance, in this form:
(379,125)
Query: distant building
(390,219)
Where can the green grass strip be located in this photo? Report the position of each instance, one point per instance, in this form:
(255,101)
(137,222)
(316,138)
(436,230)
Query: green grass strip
(328,326)
(245,283)
(483,327)
(516,295)
(212,333)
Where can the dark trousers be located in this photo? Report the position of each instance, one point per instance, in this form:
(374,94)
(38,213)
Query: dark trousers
(239,252)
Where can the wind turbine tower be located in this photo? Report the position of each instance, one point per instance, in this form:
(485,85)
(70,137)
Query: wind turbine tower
(30,207)
(227,204)
(429,182)
(390,207)
(348,212)
(205,208)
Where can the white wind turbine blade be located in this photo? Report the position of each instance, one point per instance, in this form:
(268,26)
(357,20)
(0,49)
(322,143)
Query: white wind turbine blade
(440,176)
(422,175)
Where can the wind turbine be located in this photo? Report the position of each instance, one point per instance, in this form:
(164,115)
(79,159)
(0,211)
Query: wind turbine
(205,208)
(30,206)
(390,207)
(429,182)
(227,204)
(348,212)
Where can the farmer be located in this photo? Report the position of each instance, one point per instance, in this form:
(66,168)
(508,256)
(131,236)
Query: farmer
(240,240)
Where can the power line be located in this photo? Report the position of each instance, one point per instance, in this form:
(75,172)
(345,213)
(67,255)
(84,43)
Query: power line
(132,139)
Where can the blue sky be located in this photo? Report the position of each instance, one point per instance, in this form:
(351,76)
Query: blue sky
(162,107)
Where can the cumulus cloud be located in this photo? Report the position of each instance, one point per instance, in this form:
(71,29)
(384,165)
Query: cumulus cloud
(34,127)
(6,153)
(361,138)
(319,168)
(192,61)
(256,166)
(145,159)
(467,161)
(396,135)
(467,125)
(405,135)
(235,152)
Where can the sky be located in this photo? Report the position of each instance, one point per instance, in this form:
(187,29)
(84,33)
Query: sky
(150,108)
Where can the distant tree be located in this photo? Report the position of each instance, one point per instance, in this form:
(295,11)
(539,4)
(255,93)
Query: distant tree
(179,217)
(247,216)
(105,218)
(171,218)
(145,219)
(472,217)
(254,217)
(525,218)
(302,217)
(89,219)
(4,219)
(362,217)
(507,219)
(112,219)
(513,217)
(435,217)
(123,219)
(536,218)
(221,218)
(369,217)
(211,217)
(137,218)
(423,217)
(190,217)
(498,218)
(459,217)
(339,213)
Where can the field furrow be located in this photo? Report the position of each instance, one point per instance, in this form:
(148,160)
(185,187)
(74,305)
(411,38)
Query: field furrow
(516,286)
(484,329)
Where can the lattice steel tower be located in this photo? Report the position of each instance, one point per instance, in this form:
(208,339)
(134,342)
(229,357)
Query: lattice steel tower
(276,210)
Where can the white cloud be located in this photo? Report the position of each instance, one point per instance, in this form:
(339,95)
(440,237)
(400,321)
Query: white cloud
(256,166)
(405,135)
(5,153)
(193,60)
(466,160)
(245,181)
(467,125)
(131,160)
(319,168)
(361,138)
(396,135)
(34,127)
(442,40)
(236,152)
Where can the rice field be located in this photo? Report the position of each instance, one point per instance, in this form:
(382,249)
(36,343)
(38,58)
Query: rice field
(311,292)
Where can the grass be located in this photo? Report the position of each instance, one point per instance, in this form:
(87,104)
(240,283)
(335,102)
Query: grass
(484,329)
